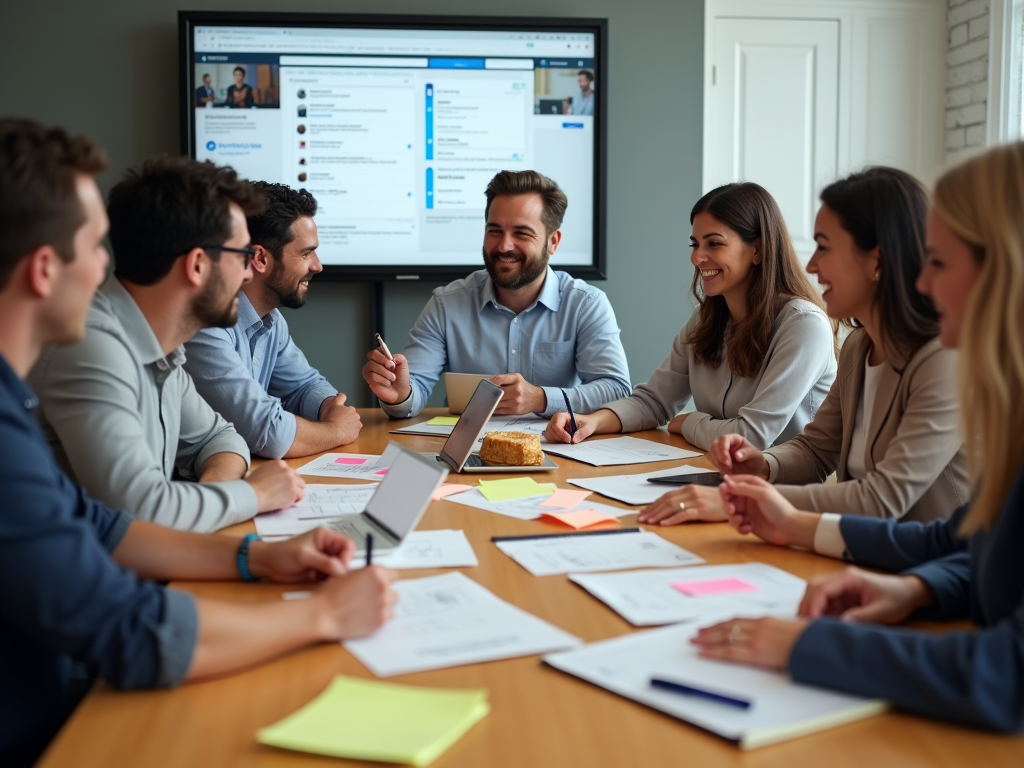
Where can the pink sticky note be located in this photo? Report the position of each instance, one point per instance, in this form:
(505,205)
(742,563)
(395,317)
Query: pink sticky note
(448,489)
(382,471)
(582,518)
(713,587)
(349,460)
(563,498)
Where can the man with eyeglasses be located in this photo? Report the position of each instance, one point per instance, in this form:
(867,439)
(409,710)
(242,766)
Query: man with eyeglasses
(253,373)
(120,411)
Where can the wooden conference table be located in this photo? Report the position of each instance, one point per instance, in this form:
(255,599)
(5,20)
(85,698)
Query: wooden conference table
(539,717)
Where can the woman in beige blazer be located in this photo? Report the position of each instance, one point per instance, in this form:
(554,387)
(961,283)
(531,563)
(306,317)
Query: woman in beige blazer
(889,425)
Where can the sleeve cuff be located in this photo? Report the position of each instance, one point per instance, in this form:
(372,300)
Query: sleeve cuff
(244,502)
(280,437)
(313,399)
(554,403)
(117,531)
(828,537)
(228,441)
(176,637)
(626,410)
(402,410)
(773,467)
(689,428)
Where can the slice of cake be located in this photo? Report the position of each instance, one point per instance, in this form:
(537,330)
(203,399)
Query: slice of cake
(520,449)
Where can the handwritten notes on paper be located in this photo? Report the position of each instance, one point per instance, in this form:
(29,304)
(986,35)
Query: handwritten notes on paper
(619,450)
(354,466)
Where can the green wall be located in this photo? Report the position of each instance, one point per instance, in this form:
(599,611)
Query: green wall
(109,69)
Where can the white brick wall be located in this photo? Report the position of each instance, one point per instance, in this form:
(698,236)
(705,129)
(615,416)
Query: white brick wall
(966,77)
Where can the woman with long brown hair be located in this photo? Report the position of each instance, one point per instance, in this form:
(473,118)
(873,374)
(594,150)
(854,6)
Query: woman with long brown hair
(758,355)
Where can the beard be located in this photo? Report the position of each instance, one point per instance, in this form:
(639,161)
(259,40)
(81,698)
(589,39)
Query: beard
(210,309)
(532,268)
(290,296)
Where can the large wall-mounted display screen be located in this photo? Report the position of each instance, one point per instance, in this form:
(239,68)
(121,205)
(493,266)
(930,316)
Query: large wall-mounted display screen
(396,124)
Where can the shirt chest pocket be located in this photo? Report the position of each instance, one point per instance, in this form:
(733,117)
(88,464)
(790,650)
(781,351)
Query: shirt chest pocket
(554,364)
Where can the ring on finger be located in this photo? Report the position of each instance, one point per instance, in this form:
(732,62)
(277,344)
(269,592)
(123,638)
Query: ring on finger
(682,506)
(734,633)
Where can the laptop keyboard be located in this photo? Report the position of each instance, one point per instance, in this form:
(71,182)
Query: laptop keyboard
(353,532)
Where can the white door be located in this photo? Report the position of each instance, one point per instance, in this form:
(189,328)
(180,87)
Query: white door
(773,113)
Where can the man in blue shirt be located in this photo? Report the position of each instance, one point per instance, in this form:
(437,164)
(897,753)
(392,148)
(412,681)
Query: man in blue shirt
(252,373)
(79,597)
(538,329)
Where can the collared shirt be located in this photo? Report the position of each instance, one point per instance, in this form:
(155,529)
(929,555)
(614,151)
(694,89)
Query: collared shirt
(255,376)
(64,599)
(567,339)
(583,105)
(121,417)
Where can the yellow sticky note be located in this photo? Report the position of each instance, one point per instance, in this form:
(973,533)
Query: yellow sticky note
(369,720)
(444,421)
(582,518)
(513,488)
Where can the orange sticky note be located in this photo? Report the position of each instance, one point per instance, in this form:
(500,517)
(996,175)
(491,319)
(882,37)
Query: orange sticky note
(582,518)
(563,498)
(449,489)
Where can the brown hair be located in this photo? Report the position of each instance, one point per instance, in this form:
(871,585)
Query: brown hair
(508,183)
(753,214)
(39,202)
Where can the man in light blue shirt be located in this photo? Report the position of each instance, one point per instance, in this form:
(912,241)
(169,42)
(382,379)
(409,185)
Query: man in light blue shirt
(252,373)
(583,104)
(538,329)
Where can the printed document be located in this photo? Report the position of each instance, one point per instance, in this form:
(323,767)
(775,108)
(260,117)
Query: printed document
(586,553)
(354,466)
(427,549)
(634,489)
(648,598)
(450,620)
(529,508)
(619,450)
(321,503)
(781,709)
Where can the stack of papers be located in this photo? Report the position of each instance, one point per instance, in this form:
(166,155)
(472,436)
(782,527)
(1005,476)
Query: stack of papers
(529,507)
(649,598)
(780,709)
(619,450)
(548,555)
(370,720)
(450,620)
(321,504)
(634,489)
(355,466)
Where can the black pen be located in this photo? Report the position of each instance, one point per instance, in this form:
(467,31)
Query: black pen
(369,549)
(564,535)
(572,416)
(689,690)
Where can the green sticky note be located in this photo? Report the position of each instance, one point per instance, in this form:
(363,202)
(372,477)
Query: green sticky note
(513,488)
(444,421)
(369,720)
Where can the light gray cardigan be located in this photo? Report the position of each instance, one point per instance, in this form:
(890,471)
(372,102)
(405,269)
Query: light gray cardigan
(769,408)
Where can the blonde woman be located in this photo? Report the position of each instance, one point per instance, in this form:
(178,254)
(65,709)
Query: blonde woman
(968,565)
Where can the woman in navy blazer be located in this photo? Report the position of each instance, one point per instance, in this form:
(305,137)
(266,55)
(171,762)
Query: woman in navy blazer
(965,567)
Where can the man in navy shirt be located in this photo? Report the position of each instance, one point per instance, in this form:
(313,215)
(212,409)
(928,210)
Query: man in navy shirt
(79,599)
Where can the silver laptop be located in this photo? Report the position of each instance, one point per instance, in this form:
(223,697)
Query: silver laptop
(396,506)
(459,388)
(457,452)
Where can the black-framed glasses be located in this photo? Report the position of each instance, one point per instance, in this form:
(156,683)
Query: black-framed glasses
(248,253)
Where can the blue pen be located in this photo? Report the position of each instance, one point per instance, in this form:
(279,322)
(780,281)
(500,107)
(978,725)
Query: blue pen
(369,549)
(689,690)
(572,416)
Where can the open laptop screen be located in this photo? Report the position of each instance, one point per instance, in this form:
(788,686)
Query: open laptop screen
(471,423)
(405,492)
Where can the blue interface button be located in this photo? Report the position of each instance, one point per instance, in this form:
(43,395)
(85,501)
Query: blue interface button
(211,145)
(572,125)
(456,63)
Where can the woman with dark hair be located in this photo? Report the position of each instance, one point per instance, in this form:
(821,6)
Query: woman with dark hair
(757,356)
(889,426)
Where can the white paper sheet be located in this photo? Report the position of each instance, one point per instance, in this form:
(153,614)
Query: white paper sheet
(781,709)
(450,620)
(634,489)
(647,598)
(321,503)
(372,469)
(529,508)
(427,549)
(590,553)
(619,450)
(529,424)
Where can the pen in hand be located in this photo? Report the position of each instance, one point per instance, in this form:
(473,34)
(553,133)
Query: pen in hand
(383,347)
(369,550)
(572,418)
